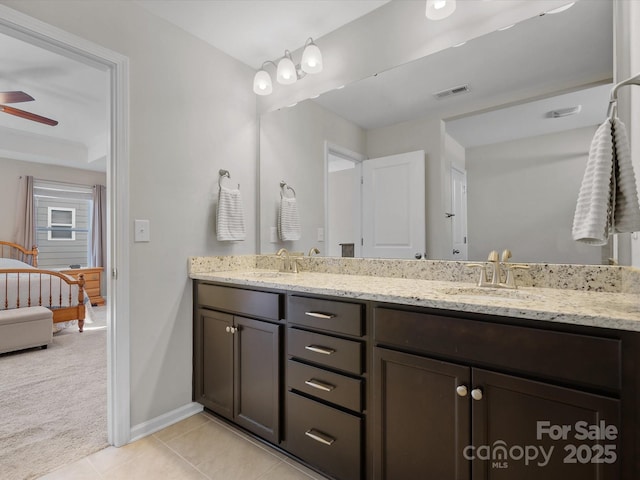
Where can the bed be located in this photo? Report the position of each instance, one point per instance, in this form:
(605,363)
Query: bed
(22,284)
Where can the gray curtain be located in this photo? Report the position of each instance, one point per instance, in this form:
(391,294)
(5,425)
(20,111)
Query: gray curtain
(99,227)
(25,225)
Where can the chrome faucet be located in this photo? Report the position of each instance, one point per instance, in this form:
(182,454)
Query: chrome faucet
(314,250)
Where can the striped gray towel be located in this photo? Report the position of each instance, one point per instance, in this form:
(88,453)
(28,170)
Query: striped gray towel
(230,217)
(288,219)
(608,199)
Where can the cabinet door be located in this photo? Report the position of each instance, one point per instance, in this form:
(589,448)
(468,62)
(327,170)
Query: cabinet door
(422,423)
(217,362)
(508,414)
(257,377)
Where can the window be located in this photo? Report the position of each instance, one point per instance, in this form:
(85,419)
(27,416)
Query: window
(61,223)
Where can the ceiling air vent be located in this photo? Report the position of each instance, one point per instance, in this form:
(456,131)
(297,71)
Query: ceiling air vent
(449,92)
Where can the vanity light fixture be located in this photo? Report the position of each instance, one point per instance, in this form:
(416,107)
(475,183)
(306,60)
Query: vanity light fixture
(439,9)
(287,72)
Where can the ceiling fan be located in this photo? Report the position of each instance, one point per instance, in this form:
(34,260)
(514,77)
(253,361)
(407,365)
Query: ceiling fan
(17,97)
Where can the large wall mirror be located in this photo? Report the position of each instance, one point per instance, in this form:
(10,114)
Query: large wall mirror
(502,126)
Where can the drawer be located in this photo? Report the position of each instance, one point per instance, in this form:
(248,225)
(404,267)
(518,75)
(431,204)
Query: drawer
(328,315)
(237,300)
(568,357)
(324,437)
(325,350)
(92,292)
(91,276)
(329,386)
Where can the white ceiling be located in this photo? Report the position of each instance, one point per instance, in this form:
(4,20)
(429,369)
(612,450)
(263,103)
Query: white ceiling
(254,31)
(65,90)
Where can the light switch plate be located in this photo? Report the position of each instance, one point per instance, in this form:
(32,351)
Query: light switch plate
(273,234)
(142,231)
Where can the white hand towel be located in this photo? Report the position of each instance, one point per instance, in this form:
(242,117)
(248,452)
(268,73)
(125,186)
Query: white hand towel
(288,219)
(608,200)
(230,217)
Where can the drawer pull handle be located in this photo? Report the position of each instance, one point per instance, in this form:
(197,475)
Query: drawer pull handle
(319,437)
(326,316)
(317,349)
(325,387)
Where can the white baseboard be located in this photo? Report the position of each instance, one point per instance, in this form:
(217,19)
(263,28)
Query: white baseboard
(166,419)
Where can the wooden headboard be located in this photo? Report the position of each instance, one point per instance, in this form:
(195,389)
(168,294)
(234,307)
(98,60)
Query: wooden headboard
(18,252)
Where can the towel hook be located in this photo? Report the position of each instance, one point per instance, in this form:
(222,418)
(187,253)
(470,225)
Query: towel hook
(224,173)
(284,185)
(613,97)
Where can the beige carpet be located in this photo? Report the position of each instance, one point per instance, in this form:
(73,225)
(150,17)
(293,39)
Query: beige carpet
(53,402)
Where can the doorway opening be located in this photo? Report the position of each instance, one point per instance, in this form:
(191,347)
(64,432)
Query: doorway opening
(27,29)
(343,202)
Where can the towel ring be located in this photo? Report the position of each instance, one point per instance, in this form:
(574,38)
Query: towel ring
(224,173)
(284,185)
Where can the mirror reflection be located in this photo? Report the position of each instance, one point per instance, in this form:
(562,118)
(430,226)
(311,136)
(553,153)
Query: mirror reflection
(501,127)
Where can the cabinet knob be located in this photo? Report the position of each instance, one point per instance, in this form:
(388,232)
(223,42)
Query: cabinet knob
(476,394)
(228,329)
(461,390)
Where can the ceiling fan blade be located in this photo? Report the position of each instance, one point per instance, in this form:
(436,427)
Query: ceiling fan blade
(28,115)
(15,97)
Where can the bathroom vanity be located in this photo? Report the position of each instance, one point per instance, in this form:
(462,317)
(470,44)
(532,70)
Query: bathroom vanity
(388,378)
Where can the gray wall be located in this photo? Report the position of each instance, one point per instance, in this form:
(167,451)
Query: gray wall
(292,148)
(522,196)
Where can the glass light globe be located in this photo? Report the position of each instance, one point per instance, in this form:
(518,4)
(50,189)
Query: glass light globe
(286,74)
(312,59)
(262,83)
(439,9)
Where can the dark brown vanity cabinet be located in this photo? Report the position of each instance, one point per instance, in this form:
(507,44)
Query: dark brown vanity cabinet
(237,360)
(325,400)
(456,419)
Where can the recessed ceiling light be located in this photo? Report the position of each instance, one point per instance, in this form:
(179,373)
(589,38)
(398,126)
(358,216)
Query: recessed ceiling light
(562,8)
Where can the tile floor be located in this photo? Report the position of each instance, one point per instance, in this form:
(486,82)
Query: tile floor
(199,447)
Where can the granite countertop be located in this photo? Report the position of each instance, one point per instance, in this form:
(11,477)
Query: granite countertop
(600,309)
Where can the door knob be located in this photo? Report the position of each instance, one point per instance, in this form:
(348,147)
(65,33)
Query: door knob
(461,390)
(476,394)
(418,256)
(456,251)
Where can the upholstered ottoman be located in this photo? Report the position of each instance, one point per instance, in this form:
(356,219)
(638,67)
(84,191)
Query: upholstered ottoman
(25,328)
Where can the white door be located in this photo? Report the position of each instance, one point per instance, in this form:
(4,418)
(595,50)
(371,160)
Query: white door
(459,214)
(393,206)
